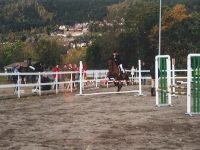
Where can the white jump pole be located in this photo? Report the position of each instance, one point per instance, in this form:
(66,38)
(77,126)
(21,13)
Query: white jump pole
(189,77)
(156,80)
(173,77)
(169,81)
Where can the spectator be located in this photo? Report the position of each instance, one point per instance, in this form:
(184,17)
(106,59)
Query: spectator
(45,79)
(143,67)
(56,69)
(64,69)
(56,76)
(69,68)
(16,70)
(67,77)
(23,77)
(29,62)
(75,76)
(152,73)
(133,73)
(75,67)
(84,72)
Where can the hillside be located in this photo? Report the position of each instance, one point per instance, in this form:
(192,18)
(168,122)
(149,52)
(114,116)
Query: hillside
(16,15)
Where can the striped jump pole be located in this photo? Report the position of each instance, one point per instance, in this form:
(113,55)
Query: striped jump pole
(193,84)
(163,82)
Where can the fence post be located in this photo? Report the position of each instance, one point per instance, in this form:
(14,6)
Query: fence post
(140,78)
(96,79)
(107,82)
(56,82)
(18,85)
(80,80)
(39,83)
(71,83)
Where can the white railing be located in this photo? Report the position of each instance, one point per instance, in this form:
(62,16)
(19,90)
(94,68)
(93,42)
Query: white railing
(95,76)
(37,85)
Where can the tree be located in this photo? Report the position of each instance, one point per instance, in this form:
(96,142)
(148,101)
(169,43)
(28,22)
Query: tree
(180,32)
(128,35)
(11,52)
(49,51)
(74,56)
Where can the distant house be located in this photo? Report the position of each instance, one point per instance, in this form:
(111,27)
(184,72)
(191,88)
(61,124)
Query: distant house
(69,33)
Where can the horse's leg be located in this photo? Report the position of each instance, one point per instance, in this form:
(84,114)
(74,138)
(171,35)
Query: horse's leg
(126,78)
(119,83)
(119,87)
(116,83)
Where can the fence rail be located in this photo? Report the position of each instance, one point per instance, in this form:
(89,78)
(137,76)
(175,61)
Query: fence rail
(95,76)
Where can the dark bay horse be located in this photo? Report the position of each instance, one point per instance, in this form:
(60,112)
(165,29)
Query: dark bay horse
(115,73)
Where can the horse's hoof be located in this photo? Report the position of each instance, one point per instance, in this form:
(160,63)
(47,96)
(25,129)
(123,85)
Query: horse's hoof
(119,88)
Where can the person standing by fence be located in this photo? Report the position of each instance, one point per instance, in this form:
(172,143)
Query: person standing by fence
(84,72)
(75,76)
(56,76)
(133,74)
(143,67)
(152,73)
(16,69)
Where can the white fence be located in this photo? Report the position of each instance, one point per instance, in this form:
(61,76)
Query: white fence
(95,76)
(18,89)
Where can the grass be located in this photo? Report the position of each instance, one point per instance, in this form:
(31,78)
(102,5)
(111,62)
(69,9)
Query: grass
(3,79)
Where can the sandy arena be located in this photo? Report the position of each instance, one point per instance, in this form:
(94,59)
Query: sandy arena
(100,122)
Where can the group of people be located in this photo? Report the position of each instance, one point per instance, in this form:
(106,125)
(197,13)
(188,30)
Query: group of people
(74,76)
(67,76)
(45,78)
(143,73)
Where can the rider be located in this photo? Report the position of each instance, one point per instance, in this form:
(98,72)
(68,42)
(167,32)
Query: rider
(29,64)
(117,60)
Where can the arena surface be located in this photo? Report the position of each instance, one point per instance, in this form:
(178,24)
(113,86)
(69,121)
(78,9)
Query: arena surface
(100,122)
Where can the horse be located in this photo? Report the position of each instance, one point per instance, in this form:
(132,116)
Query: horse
(36,67)
(115,72)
